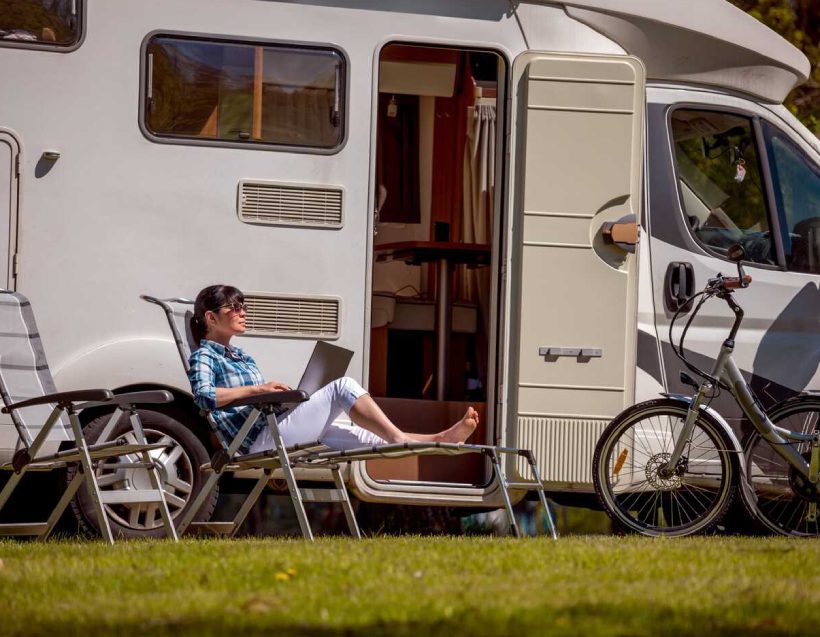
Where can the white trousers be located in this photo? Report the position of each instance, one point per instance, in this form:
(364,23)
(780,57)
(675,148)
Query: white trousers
(314,420)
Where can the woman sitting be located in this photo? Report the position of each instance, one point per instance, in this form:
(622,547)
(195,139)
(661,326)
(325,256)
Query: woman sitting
(221,374)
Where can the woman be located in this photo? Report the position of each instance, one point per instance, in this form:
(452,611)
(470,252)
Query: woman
(221,374)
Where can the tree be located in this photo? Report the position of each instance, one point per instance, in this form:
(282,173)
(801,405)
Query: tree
(798,21)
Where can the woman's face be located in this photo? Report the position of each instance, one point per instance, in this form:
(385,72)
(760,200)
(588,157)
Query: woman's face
(225,322)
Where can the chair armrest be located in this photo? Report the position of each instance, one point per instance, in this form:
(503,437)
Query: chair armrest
(62,399)
(133,398)
(272,398)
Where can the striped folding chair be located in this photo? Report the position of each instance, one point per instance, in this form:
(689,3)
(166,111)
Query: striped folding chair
(315,455)
(50,436)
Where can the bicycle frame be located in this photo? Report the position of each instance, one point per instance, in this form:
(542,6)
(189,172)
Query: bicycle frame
(726,370)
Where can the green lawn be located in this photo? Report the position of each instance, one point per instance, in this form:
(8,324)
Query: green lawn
(596,585)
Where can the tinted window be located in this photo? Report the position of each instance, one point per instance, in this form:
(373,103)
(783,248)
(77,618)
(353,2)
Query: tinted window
(797,190)
(720,182)
(243,92)
(40,22)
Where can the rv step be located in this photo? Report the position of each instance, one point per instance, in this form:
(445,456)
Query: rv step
(31,528)
(322,495)
(219,528)
(126,497)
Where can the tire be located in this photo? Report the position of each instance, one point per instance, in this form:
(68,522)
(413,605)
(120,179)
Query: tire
(782,495)
(628,483)
(181,478)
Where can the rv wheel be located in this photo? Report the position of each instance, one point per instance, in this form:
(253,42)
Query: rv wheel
(179,464)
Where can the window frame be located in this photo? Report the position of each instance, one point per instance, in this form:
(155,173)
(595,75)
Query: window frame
(798,150)
(52,47)
(210,38)
(772,211)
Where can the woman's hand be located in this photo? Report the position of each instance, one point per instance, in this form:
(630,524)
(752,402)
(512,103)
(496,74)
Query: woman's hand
(226,395)
(273,385)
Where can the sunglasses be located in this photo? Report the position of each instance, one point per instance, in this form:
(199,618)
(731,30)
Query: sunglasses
(236,306)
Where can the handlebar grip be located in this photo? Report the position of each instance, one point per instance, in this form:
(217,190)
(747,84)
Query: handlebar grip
(733,282)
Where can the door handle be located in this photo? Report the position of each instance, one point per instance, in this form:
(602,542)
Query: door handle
(679,286)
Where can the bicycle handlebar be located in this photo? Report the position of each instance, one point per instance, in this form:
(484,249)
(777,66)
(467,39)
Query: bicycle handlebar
(726,283)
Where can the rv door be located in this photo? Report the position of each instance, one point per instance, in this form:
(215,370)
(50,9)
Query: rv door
(571,289)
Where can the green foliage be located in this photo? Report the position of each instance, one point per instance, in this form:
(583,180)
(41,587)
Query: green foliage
(591,586)
(798,21)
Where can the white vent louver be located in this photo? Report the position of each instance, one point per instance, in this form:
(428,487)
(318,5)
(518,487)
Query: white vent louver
(292,316)
(290,205)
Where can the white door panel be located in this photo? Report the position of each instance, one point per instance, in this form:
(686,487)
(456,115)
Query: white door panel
(577,128)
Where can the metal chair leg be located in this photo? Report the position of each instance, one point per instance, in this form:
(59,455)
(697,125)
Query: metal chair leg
(204,493)
(347,506)
(287,469)
(502,480)
(90,479)
(541,496)
(252,499)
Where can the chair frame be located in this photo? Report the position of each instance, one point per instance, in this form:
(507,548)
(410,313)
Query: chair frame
(29,455)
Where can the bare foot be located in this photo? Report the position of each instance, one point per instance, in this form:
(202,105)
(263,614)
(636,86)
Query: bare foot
(462,430)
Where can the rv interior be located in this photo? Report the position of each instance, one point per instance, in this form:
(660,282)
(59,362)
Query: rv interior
(435,186)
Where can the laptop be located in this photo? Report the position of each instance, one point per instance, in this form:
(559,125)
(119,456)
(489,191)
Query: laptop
(327,363)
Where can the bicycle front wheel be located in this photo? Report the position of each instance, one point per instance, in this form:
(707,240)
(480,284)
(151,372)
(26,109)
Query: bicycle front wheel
(785,502)
(636,489)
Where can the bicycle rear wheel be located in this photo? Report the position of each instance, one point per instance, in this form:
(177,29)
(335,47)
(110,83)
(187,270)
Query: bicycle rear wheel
(784,499)
(629,478)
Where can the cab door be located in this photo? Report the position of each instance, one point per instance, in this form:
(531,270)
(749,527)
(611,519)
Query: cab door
(571,285)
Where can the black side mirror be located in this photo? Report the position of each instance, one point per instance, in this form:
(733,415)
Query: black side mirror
(736,253)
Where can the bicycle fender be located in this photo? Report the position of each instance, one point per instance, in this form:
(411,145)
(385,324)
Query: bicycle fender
(730,435)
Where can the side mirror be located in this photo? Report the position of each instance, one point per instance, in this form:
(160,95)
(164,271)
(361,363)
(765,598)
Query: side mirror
(736,253)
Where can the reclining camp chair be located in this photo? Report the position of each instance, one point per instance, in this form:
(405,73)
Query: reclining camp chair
(49,430)
(178,312)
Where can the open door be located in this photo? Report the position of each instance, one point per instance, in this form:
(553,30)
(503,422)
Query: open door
(571,295)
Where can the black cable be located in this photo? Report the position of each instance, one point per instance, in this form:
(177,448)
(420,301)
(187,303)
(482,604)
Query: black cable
(706,294)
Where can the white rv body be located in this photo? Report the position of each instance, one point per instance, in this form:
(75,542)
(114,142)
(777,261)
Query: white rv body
(102,210)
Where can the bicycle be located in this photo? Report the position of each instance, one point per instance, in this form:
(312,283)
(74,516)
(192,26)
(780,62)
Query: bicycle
(668,467)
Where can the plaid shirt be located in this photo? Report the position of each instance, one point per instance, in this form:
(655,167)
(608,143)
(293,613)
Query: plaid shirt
(214,365)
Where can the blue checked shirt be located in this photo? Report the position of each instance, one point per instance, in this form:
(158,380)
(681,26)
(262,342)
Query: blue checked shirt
(214,365)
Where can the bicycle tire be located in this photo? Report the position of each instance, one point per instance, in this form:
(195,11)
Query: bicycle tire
(782,498)
(640,439)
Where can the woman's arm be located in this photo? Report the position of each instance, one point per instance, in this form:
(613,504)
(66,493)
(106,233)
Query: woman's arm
(227,395)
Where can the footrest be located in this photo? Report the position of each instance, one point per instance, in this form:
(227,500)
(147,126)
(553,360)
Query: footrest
(525,485)
(29,528)
(218,528)
(322,495)
(126,497)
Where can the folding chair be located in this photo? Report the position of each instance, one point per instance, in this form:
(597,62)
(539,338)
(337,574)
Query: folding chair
(178,312)
(49,430)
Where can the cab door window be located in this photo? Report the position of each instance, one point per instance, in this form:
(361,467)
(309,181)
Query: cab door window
(720,182)
(796,184)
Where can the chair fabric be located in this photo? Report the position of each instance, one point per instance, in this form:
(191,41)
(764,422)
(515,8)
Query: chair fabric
(24,371)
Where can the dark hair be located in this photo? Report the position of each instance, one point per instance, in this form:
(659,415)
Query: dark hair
(211,299)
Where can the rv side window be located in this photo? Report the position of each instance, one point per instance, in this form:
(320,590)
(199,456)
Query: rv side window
(796,182)
(720,182)
(40,23)
(244,92)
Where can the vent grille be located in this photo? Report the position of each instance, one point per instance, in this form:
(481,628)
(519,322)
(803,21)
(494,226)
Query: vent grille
(278,204)
(289,316)
(563,448)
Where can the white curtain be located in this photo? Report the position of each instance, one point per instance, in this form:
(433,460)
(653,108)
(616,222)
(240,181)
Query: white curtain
(479,194)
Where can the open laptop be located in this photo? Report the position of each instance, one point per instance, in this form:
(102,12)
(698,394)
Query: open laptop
(327,363)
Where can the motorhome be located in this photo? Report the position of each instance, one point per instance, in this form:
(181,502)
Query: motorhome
(491,202)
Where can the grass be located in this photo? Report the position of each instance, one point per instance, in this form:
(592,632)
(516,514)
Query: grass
(593,585)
